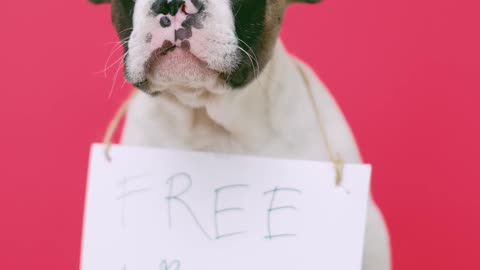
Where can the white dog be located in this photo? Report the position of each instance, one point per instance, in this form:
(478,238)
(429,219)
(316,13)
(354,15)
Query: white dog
(216,78)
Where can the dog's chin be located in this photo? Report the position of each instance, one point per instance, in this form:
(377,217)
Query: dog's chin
(179,69)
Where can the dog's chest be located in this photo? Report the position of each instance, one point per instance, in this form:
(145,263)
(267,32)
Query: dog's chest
(159,122)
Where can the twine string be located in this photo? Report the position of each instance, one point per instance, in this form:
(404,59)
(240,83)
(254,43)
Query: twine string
(334,157)
(113,125)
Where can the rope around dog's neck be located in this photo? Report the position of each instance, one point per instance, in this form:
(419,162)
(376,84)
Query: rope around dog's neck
(113,125)
(336,159)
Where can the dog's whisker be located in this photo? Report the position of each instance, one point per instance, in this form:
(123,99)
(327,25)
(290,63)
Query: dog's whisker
(120,65)
(122,57)
(125,30)
(253,52)
(113,64)
(255,75)
(116,48)
(114,82)
(251,55)
(116,42)
(107,66)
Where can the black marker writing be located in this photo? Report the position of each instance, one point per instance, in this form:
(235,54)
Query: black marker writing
(179,177)
(225,210)
(273,208)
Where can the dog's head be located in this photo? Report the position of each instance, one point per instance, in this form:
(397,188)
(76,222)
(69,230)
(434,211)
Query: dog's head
(199,43)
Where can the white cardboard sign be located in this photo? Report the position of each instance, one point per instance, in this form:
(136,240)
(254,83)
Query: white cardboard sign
(155,209)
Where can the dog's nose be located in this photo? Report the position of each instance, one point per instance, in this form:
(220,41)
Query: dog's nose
(178,17)
(172,7)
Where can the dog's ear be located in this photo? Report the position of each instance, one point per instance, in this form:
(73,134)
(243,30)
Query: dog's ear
(99,1)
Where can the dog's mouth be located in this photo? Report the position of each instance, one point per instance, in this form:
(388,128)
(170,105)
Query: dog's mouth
(167,47)
(172,65)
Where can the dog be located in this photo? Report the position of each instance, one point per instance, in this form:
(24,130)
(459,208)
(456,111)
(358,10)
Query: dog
(214,76)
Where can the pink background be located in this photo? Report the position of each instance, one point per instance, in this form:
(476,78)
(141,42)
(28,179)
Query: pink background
(406,74)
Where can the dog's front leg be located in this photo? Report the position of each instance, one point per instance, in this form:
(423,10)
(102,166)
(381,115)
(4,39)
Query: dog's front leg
(377,245)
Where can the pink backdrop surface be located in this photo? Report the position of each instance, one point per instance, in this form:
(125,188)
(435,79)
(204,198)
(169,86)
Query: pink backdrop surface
(406,74)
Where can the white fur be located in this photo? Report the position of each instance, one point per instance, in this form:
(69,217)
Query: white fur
(273,116)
